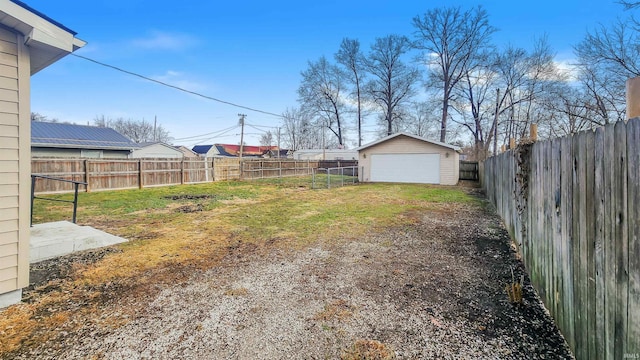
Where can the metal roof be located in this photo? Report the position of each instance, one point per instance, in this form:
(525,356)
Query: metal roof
(201,149)
(46,134)
(29,8)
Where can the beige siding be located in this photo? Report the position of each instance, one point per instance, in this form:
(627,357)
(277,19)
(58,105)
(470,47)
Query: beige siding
(8,237)
(449,159)
(8,285)
(14,162)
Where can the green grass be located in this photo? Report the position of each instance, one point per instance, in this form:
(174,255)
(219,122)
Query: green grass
(119,203)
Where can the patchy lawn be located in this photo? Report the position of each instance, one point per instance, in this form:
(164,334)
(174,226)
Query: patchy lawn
(271,269)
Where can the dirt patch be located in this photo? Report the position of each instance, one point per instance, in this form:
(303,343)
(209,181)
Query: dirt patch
(190,197)
(191,208)
(46,276)
(432,289)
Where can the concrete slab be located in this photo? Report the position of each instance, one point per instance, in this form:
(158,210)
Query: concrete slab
(50,240)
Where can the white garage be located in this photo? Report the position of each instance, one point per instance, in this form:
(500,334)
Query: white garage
(405,158)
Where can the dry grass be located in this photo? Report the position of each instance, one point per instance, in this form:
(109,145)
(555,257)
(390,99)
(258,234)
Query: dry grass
(168,246)
(368,350)
(338,310)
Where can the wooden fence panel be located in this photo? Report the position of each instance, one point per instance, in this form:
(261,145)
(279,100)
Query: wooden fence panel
(577,226)
(633,206)
(67,169)
(112,174)
(599,238)
(159,172)
(620,238)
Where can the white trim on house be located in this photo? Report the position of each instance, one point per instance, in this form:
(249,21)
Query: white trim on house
(48,41)
(452,147)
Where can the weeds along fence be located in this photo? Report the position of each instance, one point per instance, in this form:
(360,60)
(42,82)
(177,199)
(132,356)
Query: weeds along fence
(114,174)
(572,205)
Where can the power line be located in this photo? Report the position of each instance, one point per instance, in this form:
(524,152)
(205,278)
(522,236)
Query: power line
(207,134)
(176,87)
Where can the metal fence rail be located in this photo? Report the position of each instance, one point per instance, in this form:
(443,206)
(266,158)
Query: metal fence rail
(75,196)
(337,176)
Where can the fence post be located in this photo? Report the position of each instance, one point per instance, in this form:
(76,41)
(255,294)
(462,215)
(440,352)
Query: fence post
(140,177)
(33,194)
(182,171)
(633,97)
(86,175)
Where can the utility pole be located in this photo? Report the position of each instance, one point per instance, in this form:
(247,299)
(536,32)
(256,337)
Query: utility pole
(324,147)
(242,116)
(278,143)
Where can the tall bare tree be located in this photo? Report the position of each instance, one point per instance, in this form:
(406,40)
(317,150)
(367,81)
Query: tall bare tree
(392,81)
(321,94)
(451,40)
(607,57)
(266,139)
(350,56)
(138,131)
(299,131)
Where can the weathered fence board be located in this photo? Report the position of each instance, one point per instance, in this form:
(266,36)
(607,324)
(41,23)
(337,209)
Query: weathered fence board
(577,226)
(633,197)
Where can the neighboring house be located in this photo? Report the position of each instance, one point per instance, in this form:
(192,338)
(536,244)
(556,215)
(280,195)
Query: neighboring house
(327,154)
(278,154)
(29,42)
(156,150)
(228,150)
(186,152)
(406,158)
(78,141)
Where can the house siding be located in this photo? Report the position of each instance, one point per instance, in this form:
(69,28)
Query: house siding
(405,145)
(14,161)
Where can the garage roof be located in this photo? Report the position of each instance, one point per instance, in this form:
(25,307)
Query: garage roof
(452,147)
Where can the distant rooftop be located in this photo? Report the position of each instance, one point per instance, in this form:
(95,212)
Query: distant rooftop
(47,134)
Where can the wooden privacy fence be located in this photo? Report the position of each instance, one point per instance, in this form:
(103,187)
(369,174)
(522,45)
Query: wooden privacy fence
(113,174)
(469,170)
(572,206)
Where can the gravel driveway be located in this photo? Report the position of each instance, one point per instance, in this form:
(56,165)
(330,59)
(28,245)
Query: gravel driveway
(432,290)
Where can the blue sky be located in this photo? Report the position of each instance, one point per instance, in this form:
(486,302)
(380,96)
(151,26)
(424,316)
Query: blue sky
(247,52)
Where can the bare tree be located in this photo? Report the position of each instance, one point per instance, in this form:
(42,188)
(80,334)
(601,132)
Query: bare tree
(42,118)
(607,57)
(422,120)
(451,41)
(628,5)
(350,56)
(321,94)
(299,132)
(266,139)
(393,81)
(138,131)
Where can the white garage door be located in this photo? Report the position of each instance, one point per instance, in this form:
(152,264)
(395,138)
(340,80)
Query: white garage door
(406,168)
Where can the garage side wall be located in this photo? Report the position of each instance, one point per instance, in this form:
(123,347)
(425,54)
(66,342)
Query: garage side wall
(449,159)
